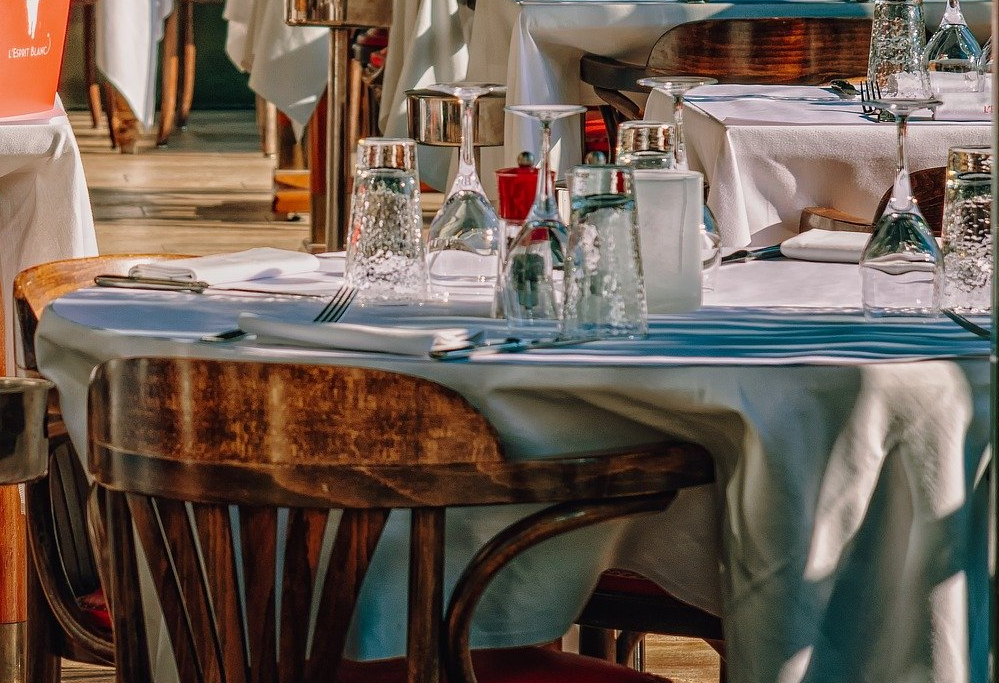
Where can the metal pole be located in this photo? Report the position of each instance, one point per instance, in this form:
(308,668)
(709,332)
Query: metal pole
(993,525)
(336,167)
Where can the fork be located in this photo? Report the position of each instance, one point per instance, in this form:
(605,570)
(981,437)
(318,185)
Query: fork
(872,91)
(332,311)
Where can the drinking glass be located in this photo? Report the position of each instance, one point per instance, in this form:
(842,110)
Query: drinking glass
(898,39)
(711,254)
(527,284)
(604,286)
(985,67)
(645,145)
(952,55)
(464,246)
(967,233)
(385,257)
(901,266)
(675,87)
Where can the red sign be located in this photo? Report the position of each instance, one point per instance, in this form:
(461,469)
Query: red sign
(32,37)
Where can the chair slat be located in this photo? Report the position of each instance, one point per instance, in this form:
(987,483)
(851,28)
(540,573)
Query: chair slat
(215,538)
(355,542)
(258,535)
(426,595)
(304,536)
(150,529)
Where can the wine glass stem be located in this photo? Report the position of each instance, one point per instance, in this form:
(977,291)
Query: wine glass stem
(952,15)
(467,178)
(544,206)
(901,194)
(680,149)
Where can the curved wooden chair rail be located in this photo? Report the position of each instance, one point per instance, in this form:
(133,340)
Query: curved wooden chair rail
(63,566)
(928,187)
(766,50)
(314,438)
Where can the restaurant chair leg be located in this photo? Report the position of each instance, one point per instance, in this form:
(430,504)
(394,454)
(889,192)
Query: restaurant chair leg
(90,64)
(42,664)
(190,62)
(629,643)
(171,70)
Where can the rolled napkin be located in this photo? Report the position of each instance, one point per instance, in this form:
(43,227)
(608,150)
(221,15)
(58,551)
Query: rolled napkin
(964,106)
(403,341)
(830,246)
(252,264)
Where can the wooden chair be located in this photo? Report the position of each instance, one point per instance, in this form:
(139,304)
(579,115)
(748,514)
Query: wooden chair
(785,51)
(928,187)
(62,577)
(313,438)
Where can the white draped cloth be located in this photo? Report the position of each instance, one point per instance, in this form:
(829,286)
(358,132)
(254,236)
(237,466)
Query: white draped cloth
(44,204)
(128,36)
(845,538)
(288,65)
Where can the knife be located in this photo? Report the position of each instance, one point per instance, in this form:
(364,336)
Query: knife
(197,286)
(509,345)
(762,254)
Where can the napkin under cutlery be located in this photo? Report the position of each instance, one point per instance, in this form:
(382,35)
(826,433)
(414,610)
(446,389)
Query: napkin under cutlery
(252,264)
(351,337)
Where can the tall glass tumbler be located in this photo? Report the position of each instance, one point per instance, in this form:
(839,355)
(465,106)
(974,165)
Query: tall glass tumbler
(385,255)
(967,233)
(898,39)
(604,285)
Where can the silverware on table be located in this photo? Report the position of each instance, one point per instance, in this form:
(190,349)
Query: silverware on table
(195,286)
(332,312)
(509,345)
(761,254)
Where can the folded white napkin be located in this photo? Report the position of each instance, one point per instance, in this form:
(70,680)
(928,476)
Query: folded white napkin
(403,341)
(832,246)
(964,106)
(252,264)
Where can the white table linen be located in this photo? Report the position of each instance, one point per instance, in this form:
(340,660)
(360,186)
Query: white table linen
(44,204)
(534,47)
(128,36)
(763,165)
(288,65)
(849,517)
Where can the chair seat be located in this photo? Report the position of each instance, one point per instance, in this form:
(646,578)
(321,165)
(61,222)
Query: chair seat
(510,665)
(95,609)
(624,581)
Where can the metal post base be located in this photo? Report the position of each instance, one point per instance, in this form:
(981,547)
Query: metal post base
(12,652)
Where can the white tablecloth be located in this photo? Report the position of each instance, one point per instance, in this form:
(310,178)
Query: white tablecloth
(44,205)
(128,36)
(288,65)
(534,47)
(845,538)
(783,156)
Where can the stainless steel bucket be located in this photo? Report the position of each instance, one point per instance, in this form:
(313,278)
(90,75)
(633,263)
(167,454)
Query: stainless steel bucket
(23,433)
(435,119)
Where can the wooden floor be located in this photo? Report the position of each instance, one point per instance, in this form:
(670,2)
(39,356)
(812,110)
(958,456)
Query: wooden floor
(209,191)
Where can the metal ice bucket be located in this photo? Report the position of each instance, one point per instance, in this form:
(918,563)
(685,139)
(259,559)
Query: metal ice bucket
(23,435)
(338,13)
(435,119)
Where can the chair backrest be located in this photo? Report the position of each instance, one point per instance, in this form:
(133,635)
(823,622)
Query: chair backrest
(174,442)
(38,286)
(790,50)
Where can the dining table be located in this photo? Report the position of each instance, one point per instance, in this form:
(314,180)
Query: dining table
(767,152)
(45,211)
(845,537)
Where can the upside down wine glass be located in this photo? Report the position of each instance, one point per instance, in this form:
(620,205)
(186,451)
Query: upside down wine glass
(901,267)
(952,54)
(464,247)
(675,87)
(528,288)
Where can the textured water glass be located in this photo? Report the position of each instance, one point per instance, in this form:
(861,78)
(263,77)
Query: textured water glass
(898,40)
(711,252)
(952,55)
(967,230)
(604,286)
(646,145)
(901,267)
(385,255)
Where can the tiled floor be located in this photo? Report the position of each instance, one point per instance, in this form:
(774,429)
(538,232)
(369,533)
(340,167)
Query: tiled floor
(209,191)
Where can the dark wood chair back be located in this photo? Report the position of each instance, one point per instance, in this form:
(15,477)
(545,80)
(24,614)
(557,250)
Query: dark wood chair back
(175,442)
(63,566)
(928,187)
(787,50)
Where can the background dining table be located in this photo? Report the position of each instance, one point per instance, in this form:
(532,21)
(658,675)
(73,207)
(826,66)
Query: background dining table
(45,210)
(767,152)
(845,539)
